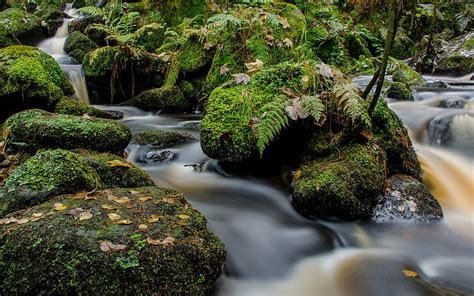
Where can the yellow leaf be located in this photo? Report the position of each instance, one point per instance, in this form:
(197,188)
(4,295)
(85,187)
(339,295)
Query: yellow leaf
(59,206)
(124,222)
(142,227)
(144,198)
(153,241)
(153,218)
(85,216)
(108,207)
(410,273)
(114,217)
(107,246)
(118,163)
(183,216)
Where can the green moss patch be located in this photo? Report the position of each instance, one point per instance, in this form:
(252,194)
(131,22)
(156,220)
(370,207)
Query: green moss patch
(161,138)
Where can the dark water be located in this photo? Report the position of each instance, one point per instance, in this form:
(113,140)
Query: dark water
(272,250)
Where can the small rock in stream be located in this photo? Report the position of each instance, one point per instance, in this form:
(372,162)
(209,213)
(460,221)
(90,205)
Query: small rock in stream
(159,157)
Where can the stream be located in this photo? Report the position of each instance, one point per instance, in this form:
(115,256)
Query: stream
(272,250)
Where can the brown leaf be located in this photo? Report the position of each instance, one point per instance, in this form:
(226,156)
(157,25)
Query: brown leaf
(284,22)
(134,192)
(107,246)
(169,200)
(122,200)
(288,43)
(119,163)
(144,198)
(142,227)
(86,116)
(168,240)
(241,78)
(114,217)
(23,221)
(76,212)
(224,69)
(108,207)
(367,134)
(85,216)
(124,222)
(153,241)
(254,67)
(37,215)
(153,218)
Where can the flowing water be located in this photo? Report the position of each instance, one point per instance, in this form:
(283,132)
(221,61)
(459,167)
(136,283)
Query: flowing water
(54,46)
(272,250)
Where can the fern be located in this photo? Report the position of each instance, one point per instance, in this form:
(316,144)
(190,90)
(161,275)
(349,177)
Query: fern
(352,105)
(273,20)
(271,123)
(91,10)
(222,20)
(128,23)
(314,106)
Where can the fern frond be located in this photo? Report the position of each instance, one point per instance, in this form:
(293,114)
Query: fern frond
(314,106)
(128,23)
(271,123)
(90,10)
(273,20)
(352,105)
(222,20)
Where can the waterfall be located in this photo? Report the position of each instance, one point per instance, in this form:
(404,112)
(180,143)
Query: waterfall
(54,46)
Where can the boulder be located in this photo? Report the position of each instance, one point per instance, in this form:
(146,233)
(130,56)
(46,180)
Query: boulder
(29,78)
(406,200)
(74,107)
(53,172)
(161,138)
(36,129)
(399,91)
(20,27)
(166,100)
(458,57)
(149,37)
(158,157)
(78,45)
(142,241)
(343,184)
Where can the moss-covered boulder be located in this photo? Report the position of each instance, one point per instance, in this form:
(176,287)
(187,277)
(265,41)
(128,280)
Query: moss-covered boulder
(53,172)
(47,174)
(29,78)
(50,15)
(161,138)
(406,200)
(19,27)
(117,73)
(406,75)
(143,241)
(149,37)
(78,45)
(36,129)
(458,58)
(74,107)
(343,184)
(166,100)
(399,91)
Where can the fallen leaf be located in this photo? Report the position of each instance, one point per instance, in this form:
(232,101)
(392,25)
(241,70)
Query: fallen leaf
(114,217)
(85,216)
(183,216)
(168,240)
(108,207)
(153,241)
(122,200)
(254,67)
(8,220)
(142,227)
(37,215)
(134,192)
(119,163)
(86,116)
(153,218)
(144,198)
(23,221)
(241,78)
(224,69)
(288,43)
(410,273)
(107,246)
(34,219)
(169,200)
(80,195)
(124,222)
(76,212)
(59,207)
(284,22)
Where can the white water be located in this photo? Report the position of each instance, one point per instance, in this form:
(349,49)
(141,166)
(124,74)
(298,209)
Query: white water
(272,250)
(54,46)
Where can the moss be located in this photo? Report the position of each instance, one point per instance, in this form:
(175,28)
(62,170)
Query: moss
(36,129)
(167,100)
(47,174)
(149,37)
(51,15)
(392,136)
(161,138)
(404,74)
(344,184)
(188,89)
(69,260)
(73,107)
(21,26)
(111,175)
(193,56)
(78,44)
(399,91)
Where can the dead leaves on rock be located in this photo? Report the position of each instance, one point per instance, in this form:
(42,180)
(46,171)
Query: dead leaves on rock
(167,241)
(59,207)
(108,246)
(117,199)
(114,217)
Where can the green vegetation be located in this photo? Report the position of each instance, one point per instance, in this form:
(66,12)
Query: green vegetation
(161,138)
(78,45)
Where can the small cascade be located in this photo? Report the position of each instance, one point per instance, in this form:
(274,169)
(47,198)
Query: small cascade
(54,46)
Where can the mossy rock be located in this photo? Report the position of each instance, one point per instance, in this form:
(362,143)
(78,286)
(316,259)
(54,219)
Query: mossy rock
(53,172)
(149,37)
(459,57)
(36,129)
(29,78)
(390,133)
(160,138)
(174,254)
(45,175)
(167,100)
(78,44)
(344,184)
(81,24)
(404,74)
(53,16)
(21,26)
(399,91)
(73,107)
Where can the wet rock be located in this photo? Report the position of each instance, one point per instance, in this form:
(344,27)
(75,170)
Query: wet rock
(195,125)
(400,92)
(453,104)
(19,26)
(78,108)
(406,200)
(161,138)
(142,241)
(158,157)
(67,60)
(30,78)
(78,45)
(458,56)
(436,84)
(53,172)
(165,100)
(80,24)
(36,129)
(343,185)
